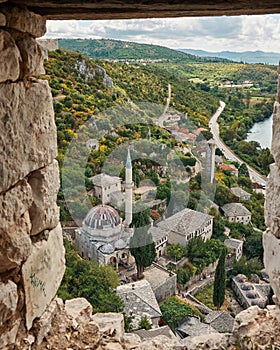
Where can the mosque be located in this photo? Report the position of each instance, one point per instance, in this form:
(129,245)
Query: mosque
(104,237)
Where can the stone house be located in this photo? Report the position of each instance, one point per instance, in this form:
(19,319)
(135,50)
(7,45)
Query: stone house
(162,281)
(187,224)
(235,246)
(106,185)
(236,212)
(221,321)
(140,301)
(241,194)
(160,240)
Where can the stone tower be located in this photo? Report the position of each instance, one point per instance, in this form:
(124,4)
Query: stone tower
(210,160)
(128,190)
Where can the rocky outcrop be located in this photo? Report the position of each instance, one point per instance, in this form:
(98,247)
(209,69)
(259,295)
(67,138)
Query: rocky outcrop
(257,328)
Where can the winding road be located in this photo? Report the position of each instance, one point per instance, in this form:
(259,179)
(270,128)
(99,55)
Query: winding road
(229,154)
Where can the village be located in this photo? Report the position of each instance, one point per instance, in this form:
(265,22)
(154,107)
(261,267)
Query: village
(104,237)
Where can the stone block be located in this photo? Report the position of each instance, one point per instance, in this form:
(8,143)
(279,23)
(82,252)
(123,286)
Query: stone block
(28,131)
(25,21)
(111,323)
(15,226)
(32,55)
(275,145)
(44,323)
(42,274)
(8,337)
(44,213)
(9,57)
(80,309)
(271,246)
(15,244)
(2,20)
(8,301)
(272,209)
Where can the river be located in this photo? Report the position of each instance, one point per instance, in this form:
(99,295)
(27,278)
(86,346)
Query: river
(262,133)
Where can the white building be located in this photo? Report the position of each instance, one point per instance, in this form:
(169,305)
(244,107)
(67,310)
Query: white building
(160,240)
(235,246)
(236,212)
(187,224)
(103,237)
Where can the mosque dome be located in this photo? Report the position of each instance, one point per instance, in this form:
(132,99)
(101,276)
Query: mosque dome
(107,249)
(120,244)
(102,217)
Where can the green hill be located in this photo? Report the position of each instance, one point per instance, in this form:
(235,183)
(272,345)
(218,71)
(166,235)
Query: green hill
(123,50)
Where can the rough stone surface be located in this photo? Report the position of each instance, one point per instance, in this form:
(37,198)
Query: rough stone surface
(126,9)
(8,337)
(42,274)
(28,132)
(2,19)
(43,324)
(272,208)
(25,21)
(8,301)
(110,322)
(32,55)
(213,341)
(79,309)
(9,58)
(15,226)
(256,328)
(271,246)
(275,149)
(44,213)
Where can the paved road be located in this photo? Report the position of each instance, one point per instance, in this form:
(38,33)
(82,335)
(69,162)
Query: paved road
(214,127)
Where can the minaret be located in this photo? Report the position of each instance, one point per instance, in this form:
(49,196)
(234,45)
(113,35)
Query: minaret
(128,190)
(210,160)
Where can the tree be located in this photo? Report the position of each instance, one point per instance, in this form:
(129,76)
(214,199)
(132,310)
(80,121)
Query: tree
(220,281)
(243,171)
(176,251)
(173,311)
(145,323)
(88,280)
(142,246)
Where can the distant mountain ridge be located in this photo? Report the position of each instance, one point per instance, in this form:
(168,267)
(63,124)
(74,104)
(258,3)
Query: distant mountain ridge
(246,56)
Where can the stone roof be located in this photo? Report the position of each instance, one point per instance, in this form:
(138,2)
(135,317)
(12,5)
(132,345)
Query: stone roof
(239,192)
(221,321)
(157,233)
(235,209)
(156,275)
(192,327)
(139,300)
(233,243)
(185,221)
(165,330)
(104,180)
(144,189)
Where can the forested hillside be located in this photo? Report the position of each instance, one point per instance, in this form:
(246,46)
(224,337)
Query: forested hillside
(122,50)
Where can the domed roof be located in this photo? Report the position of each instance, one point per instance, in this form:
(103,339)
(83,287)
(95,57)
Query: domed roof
(102,217)
(107,249)
(120,244)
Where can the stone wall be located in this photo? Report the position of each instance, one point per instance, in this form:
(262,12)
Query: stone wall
(31,246)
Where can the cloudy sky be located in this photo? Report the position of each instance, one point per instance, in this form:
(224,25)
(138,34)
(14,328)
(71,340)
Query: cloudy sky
(241,33)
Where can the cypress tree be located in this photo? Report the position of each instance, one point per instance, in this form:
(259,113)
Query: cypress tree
(220,281)
(142,246)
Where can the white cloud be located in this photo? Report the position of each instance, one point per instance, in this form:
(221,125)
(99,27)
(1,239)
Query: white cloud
(240,33)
